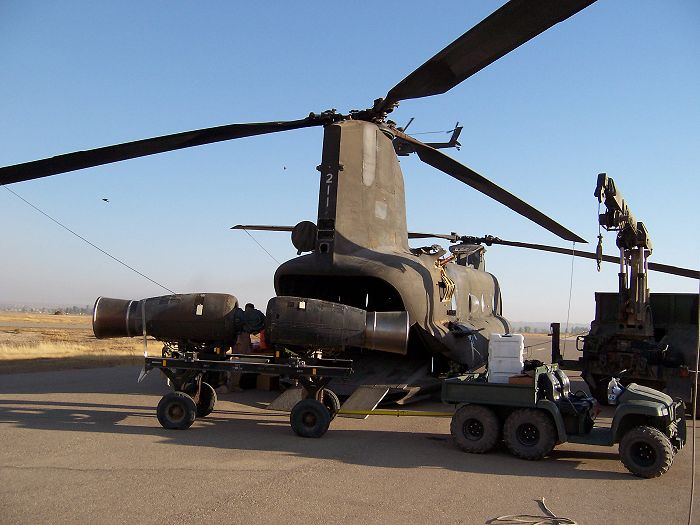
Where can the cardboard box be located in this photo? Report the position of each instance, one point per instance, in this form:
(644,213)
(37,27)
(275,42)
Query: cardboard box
(268,383)
(521,379)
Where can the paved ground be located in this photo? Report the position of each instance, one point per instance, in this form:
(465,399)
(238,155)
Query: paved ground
(84,446)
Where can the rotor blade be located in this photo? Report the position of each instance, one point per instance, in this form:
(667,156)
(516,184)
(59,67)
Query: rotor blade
(657,267)
(267,228)
(262,228)
(140,148)
(501,32)
(459,171)
(674,270)
(417,235)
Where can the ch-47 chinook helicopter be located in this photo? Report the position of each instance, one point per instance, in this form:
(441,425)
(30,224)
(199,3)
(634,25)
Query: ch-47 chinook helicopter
(359,257)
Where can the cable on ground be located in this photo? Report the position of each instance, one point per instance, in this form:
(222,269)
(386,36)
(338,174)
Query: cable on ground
(531,519)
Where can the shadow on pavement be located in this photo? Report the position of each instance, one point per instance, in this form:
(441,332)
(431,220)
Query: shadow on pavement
(256,430)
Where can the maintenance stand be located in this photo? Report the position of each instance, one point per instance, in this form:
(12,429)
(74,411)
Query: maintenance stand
(193,397)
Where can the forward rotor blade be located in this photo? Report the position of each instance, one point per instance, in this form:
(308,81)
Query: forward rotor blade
(657,267)
(262,228)
(459,171)
(140,148)
(501,32)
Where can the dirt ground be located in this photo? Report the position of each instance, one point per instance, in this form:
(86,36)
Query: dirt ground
(39,342)
(85,446)
(35,342)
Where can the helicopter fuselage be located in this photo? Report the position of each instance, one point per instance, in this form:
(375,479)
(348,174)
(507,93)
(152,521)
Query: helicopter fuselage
(362,258)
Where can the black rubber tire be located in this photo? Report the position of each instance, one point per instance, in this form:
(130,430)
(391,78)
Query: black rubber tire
(310,418)
(646,452)
(176,410)
(207,400)
(529,433)
(331,402)
(475,428)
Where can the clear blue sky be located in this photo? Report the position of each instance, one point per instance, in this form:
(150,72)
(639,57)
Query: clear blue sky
(616,88)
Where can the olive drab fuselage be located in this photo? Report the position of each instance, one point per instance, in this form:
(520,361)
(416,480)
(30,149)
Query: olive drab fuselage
(362,258)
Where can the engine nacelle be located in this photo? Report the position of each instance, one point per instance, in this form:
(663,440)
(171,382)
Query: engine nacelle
(200,317)
(313,323)
(206,318)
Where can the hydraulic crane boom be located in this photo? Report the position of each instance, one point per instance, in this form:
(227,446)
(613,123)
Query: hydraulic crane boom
(635,247)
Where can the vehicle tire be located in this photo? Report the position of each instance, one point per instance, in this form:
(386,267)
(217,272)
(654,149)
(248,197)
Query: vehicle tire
(310,418)
(475,428)
(207,400)
(646,452)
(176,410)
(331,402)
(529,433)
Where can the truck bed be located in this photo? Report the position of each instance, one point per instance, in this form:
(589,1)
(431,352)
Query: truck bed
(473,388)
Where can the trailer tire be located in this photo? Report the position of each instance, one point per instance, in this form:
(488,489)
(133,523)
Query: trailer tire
(176,410)
(529,433)
(331,402)
(310,418)
(646,452)
(207,400)
(475,428)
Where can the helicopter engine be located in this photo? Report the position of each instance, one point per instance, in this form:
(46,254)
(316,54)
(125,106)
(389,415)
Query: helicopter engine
(314,323)
(202,317)
(206,320)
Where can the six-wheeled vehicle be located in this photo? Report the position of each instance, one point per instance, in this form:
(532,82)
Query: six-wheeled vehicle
(540,411)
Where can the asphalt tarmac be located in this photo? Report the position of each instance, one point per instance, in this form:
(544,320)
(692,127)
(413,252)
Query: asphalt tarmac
(84,446)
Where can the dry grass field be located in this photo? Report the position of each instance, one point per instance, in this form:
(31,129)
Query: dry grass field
(40,342)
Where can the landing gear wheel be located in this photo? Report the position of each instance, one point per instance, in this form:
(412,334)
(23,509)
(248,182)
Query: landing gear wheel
(331,402)
(646,452)
(475,428)
(207,400)
(176,410)
(529,433)
(310,418)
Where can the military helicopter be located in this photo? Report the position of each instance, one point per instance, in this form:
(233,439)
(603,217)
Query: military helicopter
(358,252)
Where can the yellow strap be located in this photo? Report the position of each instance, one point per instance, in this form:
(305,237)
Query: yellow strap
(397,413)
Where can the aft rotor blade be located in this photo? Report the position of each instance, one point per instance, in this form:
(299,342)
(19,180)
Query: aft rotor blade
(418,235)
(140,148)
(657,267)
(459,171)
(411,235)
(262,228)
(501,32)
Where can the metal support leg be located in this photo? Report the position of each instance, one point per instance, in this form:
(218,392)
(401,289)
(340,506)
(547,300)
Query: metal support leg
(556,342)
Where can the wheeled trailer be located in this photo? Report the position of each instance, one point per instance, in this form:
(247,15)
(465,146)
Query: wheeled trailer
(541,412)
(193,397)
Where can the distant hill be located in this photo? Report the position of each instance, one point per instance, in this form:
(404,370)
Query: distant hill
(49,308)
(536,327)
